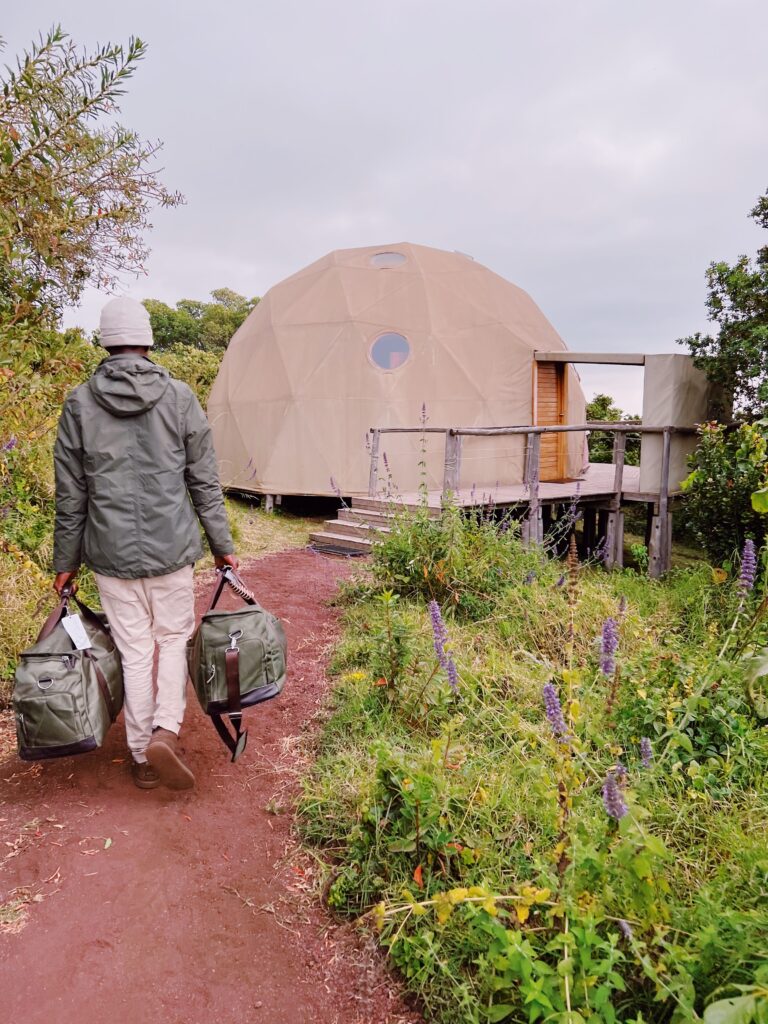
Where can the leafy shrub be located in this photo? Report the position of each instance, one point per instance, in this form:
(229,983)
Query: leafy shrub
(728,466)
(577,834)
(462,561)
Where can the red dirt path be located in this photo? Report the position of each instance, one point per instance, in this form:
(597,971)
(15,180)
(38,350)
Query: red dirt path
(149,907)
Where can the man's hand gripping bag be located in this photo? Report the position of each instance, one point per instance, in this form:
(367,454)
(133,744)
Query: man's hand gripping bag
(236,659)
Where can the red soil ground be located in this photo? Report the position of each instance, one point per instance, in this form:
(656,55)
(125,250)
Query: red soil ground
(141,907)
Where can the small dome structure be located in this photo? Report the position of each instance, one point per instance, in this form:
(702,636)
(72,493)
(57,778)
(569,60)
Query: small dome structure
(379,337)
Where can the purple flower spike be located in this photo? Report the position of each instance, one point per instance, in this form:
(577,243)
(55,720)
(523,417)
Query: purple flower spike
(626,930)
(609,642)
(439,632)
(385,460)
(646,752)
(560,582)
(621,774)
(613,801)
(453,675)
(530,577)
(748,568)
(10,444)
(555,713)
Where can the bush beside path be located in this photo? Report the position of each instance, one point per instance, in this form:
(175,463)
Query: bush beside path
(132,906)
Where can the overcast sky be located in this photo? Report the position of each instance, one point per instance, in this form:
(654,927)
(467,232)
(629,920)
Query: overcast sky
(597,153)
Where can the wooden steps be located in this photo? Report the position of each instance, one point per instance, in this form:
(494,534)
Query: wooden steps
(352,532)
(355,528)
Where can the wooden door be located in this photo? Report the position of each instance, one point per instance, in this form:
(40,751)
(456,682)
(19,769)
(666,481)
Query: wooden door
(550,411)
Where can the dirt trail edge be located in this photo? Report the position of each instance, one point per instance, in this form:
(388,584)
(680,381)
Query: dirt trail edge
(130,907)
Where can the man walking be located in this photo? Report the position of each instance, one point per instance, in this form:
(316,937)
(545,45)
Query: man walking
(135,470)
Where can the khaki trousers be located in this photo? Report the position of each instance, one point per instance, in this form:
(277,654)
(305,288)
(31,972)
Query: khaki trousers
(156,610)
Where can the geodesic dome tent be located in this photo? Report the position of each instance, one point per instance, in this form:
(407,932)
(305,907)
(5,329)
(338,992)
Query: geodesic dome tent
(370,338)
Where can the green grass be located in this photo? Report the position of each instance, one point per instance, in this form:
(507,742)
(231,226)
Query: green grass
(434,812)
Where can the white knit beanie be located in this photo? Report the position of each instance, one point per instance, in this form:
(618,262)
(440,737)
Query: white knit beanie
(124,321)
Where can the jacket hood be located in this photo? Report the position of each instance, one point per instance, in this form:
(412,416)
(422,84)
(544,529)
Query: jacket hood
(128,385)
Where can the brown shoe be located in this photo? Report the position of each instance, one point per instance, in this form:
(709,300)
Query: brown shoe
(144,775)
(163,755)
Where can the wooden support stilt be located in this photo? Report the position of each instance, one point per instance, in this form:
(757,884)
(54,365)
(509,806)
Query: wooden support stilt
(660,548)
(648,524)
(614,529)
(614,539)
(546,519)
(269,503)
(590,529)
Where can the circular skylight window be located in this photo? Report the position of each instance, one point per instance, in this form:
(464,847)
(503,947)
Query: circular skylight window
(390,351)
(386,260)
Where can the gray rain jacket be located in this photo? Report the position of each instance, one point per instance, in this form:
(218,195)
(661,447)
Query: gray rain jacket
(134,462)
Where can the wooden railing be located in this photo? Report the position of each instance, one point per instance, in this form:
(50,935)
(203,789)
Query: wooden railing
(533,531)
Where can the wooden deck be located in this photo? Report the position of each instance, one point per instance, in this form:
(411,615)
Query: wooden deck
(596,485)
(601,493)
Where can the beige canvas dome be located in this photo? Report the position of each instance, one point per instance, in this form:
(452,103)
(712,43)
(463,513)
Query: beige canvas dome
(370,337)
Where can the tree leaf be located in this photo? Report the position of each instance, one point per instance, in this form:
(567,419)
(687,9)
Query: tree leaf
(499,1012)
(731,1011)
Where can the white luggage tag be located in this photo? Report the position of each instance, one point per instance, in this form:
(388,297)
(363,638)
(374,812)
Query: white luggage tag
(76,631)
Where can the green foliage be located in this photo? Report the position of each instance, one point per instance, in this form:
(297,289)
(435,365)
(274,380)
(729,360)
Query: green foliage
(728,466)
(202,325)
(194,366)
(75,187)
(462,562)
(736,358)
(475,837)
(603,410)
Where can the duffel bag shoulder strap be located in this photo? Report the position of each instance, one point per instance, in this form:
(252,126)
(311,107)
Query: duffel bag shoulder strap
(235,744)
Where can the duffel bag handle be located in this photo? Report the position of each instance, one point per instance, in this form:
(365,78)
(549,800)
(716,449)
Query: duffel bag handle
(62,609)
(58,613)
(228,575)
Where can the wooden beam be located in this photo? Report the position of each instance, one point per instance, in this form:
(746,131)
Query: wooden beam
(606,358)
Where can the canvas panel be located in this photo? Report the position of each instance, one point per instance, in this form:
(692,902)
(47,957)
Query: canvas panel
(675,394)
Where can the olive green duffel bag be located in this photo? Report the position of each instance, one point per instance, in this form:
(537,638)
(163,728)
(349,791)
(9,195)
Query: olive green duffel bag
(236,659)
(65,698)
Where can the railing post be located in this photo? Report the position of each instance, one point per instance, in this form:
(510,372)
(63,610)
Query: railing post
(373,476)
(614,532)
(533,532)
(452,465)
(660,553)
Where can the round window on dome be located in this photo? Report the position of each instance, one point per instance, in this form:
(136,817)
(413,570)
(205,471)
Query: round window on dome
(387,260)
(390,351)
